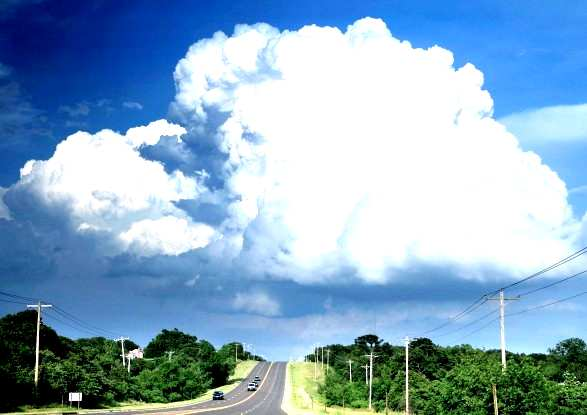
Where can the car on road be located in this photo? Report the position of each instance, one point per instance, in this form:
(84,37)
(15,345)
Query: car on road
(252,386)
(217,395)
(257,379)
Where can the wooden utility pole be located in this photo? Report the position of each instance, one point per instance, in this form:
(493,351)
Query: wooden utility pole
(502,301)
(495,407)
(39,306)
(327,359)
(351,371)
(122,340)
(371,356)
(315,363)
(407,342)
(366,374)
(370,377)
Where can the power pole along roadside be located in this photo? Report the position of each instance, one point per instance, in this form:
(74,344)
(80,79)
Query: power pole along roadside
(39,306)
(502,301)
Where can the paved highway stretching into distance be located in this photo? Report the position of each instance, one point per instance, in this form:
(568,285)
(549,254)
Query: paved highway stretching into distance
(265,401)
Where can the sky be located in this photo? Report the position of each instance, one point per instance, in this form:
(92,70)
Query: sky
(289,174)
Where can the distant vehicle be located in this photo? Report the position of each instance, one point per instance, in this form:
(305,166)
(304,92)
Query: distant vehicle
(257,379)
(217,395)
(252,386)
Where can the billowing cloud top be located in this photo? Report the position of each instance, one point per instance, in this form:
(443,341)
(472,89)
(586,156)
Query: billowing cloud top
(104,185)
(357,151)
(342,155)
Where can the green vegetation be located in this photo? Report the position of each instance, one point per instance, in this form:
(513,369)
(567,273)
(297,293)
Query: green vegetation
(453,380)
(302,395)
(94,367)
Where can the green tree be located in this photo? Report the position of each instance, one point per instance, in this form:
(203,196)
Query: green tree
(171,340)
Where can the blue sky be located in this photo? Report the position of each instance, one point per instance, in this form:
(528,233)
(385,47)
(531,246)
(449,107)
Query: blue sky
(69,66)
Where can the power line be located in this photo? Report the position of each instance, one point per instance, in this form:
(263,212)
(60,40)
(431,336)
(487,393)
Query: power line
(65,323)
(474,306)
(484,298)
(545,270)
(527,310)
(478,329)
(562,300)
(85,326)
(13,302)
(552,284)
(483,317)
(69,316)
(19,297)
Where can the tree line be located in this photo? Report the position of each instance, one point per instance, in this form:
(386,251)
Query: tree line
(458,380)
(93,366)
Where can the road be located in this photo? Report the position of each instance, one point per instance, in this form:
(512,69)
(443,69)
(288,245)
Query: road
(265,401)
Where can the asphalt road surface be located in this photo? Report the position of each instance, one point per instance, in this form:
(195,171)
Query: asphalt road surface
(265,401)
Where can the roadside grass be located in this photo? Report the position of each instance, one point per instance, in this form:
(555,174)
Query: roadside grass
(301,394)
(242,370)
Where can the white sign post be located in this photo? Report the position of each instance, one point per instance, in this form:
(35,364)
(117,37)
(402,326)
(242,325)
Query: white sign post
(75,397)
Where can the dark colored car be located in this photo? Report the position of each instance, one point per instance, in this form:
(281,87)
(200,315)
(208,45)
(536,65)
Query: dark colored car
(217,395)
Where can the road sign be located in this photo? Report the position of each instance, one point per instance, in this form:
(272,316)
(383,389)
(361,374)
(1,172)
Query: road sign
(75,396)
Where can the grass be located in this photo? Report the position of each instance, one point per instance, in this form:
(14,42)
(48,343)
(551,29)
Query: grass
(242,370)
(301,393)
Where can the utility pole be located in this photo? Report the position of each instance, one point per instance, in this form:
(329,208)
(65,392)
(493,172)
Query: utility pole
(407,342)
(322,360)
(327,359)
(502,301)
(315,363)
(39,306)
(128,359)
(370,355)
(366,374)
(122,340)
(351,371)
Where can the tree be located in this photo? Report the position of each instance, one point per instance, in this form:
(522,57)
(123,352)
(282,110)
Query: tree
(368,340)
(572,356)
(171,340)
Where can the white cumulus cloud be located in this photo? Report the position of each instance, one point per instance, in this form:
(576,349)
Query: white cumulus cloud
(4,211)
(132,105)
(356,151)
(549,124)
(168,235)
(104,185)
(256,302)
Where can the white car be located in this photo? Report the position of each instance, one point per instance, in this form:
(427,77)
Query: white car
(252,387)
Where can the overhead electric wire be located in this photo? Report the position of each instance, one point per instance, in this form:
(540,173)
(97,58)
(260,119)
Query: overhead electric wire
(484,298)
(87,327)
(82,323)
(561,300)
(475,305)
(13,302)
(563,261)
(483,317)
(53,317)
(20,297)
(552,284)
(478,329)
